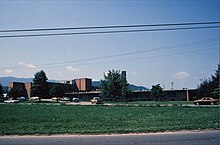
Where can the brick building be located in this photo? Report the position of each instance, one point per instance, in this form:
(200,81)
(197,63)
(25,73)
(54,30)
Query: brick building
(83,84)
(68,88)
(170,95)
(20,87)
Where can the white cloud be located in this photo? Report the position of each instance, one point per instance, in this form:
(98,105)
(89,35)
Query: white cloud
(70,68)
(27,65)
(134,73)
(30,66)
(21,63)
(180,75)
(8,71)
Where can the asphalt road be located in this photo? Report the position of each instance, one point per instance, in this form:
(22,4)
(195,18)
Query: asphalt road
(171,138)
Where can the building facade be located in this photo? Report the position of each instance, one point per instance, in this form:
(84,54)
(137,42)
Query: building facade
(170,95)
(83,84)
(19,88)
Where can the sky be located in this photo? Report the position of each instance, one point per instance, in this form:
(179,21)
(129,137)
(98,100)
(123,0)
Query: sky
(183,57)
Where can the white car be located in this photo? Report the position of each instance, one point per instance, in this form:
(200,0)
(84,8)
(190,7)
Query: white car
(64,99)
(34,98)
(21,98)
(11,101)
(75,99)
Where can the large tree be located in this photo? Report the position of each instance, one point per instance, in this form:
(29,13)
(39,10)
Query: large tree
(40,85)
(114,85)
(1,90)
(157,92)
(16,92)
(210,87)
(57,91)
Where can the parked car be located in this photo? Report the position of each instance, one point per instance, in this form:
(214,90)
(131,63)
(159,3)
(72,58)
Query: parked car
(206,101)
(55,98)
(21,98)
(11,101)
(96,100)
(75,99)
(64,99)
(34,98)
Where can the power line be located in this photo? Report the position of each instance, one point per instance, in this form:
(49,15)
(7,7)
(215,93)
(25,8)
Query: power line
(155,56)
(109,27)
(139,58)
(107,32)
(136,52)
(124,54)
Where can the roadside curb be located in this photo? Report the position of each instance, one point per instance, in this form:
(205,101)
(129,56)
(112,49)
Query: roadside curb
(110,135)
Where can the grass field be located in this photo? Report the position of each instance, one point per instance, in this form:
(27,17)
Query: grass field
(62,119)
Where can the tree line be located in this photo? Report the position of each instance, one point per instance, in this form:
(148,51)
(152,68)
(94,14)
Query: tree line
(113,87)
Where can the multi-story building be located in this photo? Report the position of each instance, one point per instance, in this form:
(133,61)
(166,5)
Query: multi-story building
(15,85)
(18,86)
(83,84)
(77,85)
(28,88)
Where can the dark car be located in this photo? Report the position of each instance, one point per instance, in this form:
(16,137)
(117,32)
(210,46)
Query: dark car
(206,101)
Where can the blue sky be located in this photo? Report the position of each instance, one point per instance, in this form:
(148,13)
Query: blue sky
(184,66)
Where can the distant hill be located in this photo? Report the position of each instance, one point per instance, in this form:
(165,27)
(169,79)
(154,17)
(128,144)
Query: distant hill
(135,88)
(96,83)
(131,86)
(5,80)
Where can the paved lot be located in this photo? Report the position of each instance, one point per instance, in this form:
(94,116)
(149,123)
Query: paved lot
(172,138)
(79,103)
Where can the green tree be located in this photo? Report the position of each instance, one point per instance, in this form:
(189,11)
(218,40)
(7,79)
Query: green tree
(157,92)
(16,92)
(40,87)
(114,85)
(1,90)
(216,92)
(57,91)
(210,87)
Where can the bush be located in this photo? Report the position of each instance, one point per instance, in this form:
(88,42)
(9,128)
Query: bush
(130,100)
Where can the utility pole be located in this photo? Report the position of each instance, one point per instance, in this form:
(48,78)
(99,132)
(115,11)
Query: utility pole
(187,94)
(163,86)
(171,85)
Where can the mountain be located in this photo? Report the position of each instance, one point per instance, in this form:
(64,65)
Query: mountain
(96,83)
(131,86)
(137,88)
(5,80)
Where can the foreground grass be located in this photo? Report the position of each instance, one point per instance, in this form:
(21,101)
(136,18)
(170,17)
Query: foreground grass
(50,119)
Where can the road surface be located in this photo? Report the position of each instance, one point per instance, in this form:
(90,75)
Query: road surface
(170,138)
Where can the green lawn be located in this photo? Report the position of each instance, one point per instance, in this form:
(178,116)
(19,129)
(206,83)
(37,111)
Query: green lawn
(63,119)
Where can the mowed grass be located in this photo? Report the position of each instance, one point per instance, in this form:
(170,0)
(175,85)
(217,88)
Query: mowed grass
(63,119)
